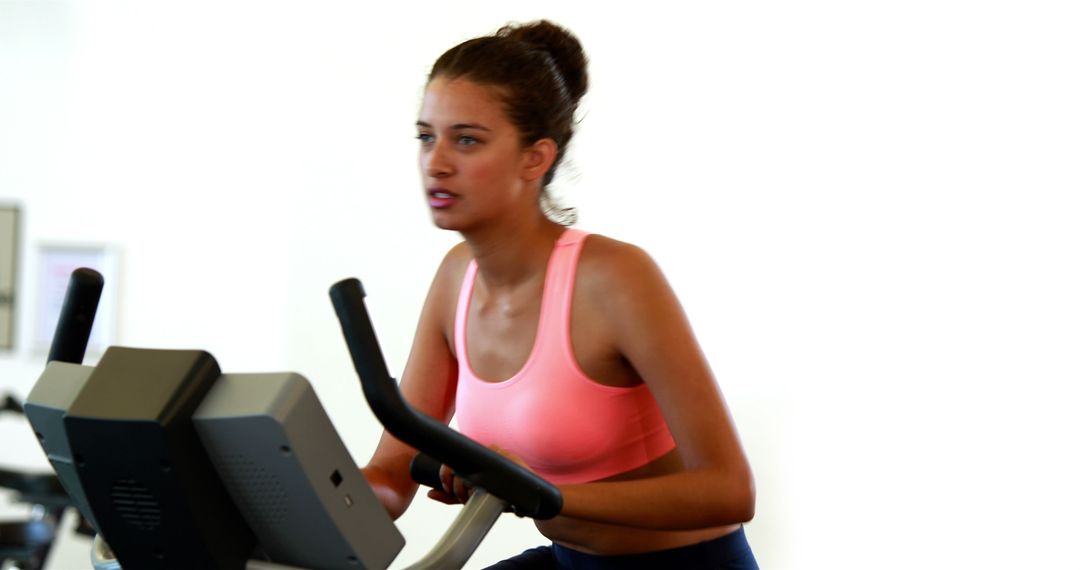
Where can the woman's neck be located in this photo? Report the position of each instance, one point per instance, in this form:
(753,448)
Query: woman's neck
(516,254)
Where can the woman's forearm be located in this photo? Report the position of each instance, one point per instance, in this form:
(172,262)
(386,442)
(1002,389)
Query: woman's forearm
(681,501)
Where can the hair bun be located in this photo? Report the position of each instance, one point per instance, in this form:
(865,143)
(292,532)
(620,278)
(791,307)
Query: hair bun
(563,46)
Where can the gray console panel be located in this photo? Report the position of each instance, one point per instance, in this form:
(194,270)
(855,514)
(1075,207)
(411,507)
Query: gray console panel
(288,471)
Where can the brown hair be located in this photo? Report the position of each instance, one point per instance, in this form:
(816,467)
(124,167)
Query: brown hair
(540,70)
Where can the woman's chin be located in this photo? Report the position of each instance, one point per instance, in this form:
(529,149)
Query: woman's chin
(444,222)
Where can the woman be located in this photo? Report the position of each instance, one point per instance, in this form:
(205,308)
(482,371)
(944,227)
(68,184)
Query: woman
(568,352)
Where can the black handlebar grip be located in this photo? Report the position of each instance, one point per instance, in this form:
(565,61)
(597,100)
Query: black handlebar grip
(77,316)
(424,469)
(528,494)
(11,405)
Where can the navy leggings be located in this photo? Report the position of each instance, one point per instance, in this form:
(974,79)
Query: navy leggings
(729,552)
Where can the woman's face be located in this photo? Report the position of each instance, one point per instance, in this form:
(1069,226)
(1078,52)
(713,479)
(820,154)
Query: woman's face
(472,163)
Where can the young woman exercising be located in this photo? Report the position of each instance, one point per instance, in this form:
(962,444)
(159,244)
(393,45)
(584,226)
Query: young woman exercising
(566,351)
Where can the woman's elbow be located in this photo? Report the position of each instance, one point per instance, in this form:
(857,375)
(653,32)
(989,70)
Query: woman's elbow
(393,499)
(747,502)
(739,501)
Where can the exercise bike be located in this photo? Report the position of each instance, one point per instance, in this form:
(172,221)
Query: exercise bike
(180,466)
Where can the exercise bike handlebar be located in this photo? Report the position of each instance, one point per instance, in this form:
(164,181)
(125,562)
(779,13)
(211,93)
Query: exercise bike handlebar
(424,469)
(77,316)
(525,492)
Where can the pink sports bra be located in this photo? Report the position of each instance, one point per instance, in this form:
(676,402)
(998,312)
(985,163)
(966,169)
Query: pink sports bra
(565,426)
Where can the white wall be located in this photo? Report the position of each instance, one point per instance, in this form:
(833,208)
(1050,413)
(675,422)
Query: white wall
(869,211)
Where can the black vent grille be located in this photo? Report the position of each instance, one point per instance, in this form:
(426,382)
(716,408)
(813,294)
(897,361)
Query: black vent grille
(135,504)
(263,500)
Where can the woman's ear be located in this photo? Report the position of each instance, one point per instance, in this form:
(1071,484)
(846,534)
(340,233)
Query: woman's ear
(538,158)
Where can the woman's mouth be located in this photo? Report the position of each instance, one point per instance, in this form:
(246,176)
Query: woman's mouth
(441,199)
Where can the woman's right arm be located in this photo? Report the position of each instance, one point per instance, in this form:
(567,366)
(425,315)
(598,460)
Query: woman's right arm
(428,383)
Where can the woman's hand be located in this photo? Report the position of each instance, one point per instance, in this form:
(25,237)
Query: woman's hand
(457,490)
(454,490)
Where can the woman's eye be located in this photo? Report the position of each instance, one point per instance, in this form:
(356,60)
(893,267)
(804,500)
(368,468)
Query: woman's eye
(425,138)
(467,140)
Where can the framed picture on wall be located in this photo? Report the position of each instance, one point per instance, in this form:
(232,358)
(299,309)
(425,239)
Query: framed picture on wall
(9,264)
(54,267)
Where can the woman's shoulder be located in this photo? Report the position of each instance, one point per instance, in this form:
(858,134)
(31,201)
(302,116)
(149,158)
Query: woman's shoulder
(452,268)
(609,265)
(443,295)
(458,254)
(610,257)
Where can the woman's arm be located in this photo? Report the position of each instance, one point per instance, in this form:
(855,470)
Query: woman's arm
(652,332)
(427,383)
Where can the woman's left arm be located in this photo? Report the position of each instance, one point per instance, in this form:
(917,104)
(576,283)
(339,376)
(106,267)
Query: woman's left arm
(652,332)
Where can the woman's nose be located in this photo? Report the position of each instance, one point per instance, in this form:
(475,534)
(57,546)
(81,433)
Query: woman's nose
(436,161)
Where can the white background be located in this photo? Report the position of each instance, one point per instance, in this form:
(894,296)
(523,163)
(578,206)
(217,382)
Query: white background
(868,209)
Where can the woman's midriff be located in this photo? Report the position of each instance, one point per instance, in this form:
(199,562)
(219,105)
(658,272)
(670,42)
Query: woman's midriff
(608,539)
